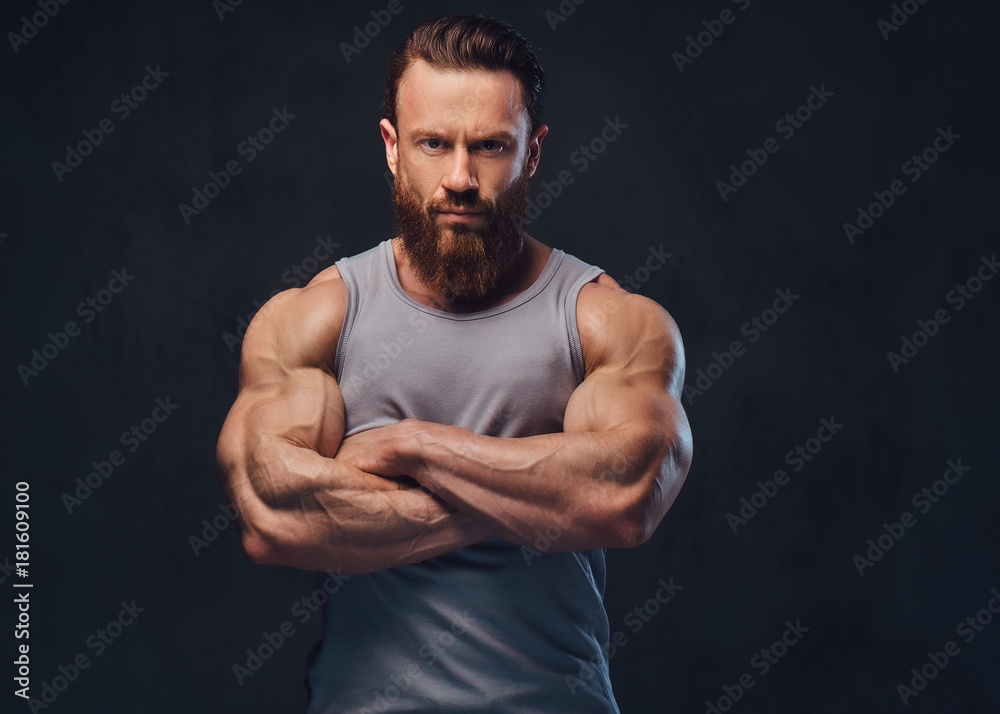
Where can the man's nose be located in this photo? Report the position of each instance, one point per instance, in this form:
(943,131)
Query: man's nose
(460,176)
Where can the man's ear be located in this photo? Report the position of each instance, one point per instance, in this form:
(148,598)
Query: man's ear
(391,144)
(535,148)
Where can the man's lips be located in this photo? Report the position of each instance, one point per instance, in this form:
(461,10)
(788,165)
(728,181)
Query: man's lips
(460,215)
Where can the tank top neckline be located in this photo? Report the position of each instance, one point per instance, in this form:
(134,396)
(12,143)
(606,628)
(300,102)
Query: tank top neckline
(392,278)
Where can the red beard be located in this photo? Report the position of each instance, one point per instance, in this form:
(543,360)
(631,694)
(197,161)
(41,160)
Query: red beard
(457,260)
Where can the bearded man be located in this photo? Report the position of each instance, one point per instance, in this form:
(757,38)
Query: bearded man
(459,421)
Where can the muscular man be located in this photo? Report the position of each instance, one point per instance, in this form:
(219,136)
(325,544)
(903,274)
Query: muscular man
(460,420)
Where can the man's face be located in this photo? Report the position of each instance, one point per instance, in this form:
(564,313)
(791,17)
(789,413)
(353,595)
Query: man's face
(462,153)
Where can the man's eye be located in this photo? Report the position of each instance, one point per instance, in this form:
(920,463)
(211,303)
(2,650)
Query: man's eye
(491,145)
(432,143)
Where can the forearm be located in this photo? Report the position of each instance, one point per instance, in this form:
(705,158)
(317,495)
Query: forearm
(587,486)
(318,514)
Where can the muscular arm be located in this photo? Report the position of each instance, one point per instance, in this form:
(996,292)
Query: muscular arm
(301,507)
(610,477)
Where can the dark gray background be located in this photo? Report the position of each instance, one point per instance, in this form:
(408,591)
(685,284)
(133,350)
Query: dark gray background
(655,185)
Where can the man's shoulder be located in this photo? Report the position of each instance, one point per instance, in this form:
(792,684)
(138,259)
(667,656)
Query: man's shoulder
(602,301)
(318,301)
(607,281)
(300,326)
(359,261)
(612,321)
(325,275)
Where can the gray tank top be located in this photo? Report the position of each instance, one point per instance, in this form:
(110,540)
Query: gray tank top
(493,627)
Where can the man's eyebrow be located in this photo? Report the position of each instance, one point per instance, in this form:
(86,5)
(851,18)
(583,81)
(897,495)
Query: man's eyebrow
(421,133)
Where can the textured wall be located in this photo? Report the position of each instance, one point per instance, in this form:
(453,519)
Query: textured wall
(771,243)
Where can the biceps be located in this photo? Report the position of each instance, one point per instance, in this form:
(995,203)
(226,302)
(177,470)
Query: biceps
(602,404)
(273,428)
(648,424)
(307,411)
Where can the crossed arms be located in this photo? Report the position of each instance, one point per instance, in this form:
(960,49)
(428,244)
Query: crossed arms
(403,493)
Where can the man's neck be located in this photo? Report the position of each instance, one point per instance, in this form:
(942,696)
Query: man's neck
(527,267)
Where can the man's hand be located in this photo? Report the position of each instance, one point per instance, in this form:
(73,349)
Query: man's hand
(376,451)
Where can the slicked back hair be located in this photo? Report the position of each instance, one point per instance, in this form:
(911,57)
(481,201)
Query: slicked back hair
(468,43)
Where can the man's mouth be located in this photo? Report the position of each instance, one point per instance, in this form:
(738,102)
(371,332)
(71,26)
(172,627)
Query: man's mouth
(459,214)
